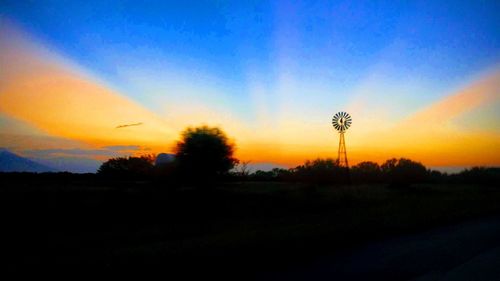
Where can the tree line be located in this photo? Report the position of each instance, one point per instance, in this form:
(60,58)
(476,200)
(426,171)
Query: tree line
(205,155)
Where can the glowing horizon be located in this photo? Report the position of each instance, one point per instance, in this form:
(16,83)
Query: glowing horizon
(274,112)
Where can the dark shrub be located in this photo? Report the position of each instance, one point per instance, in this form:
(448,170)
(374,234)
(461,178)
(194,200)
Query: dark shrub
(321,171)
(366,172)
(204,153)
(481,175)
(260,175)
(404,171)
(127,167)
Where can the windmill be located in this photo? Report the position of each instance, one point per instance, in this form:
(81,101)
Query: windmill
(341,122)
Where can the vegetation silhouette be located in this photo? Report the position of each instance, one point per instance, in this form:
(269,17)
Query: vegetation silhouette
(128,167)
(320,171)
(477,175)
(367,172)
(403,172)
(397,172)
(273,175)
(204,154)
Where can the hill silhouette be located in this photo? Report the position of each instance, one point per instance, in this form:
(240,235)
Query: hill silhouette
(11,162)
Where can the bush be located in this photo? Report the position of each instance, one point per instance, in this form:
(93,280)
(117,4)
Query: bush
(404,171)
(127,167)
(367,172)
(481,175)
(204,153)
(321,171)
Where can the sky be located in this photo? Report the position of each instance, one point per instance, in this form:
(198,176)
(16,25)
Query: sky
(421,79)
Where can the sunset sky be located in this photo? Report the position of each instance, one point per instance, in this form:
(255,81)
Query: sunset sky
(421,79)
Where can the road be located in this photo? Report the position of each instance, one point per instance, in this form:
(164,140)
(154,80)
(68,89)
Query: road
(466,251)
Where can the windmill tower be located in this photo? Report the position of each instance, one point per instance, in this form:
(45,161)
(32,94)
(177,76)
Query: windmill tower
(341,122)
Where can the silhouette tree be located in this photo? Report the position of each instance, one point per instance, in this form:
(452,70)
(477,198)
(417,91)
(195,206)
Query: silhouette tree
(404,171)
(481,175)
(366,172)
(242,169)
(128,166)
(260,175)
(321,171)
(281,174)
(204,153)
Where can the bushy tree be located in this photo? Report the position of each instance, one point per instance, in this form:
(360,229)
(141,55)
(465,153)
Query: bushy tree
(204,153)
(366,172)
(260,175)
(321,171)
(281,174)
(481,175)
(128,166)
(404,171)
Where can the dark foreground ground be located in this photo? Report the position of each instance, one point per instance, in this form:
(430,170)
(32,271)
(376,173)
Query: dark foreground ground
(463,251)
(74,226)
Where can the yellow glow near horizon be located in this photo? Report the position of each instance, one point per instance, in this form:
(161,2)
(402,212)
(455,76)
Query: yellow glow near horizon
(429,135)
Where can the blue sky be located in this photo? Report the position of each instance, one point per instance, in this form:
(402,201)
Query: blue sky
(333,41)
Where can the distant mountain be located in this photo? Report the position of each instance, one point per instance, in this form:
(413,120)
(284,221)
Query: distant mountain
(10,162)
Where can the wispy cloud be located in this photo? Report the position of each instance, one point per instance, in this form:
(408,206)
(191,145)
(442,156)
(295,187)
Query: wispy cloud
(43,153)
(123,147)
(128,125)
(106,151)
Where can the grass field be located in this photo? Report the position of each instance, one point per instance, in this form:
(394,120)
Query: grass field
(236,228)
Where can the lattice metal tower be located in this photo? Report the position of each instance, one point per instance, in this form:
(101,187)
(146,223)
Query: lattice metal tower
(341,122)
